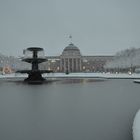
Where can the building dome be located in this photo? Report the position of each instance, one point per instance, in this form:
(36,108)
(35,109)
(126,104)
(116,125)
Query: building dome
(71,50)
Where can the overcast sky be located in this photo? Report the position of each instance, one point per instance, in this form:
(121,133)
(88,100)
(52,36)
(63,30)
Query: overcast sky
(98,27)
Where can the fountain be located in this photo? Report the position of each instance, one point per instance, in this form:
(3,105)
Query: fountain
(34,75)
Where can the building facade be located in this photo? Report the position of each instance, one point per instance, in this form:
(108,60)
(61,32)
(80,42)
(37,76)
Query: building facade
(95,63)
(71,60)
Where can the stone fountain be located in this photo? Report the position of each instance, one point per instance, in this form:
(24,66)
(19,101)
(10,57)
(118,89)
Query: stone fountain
(34,75)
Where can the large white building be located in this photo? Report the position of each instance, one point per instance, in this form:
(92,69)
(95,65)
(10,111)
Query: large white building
(71,59)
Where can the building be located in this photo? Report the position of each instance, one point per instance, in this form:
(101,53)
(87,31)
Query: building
(71,60)
(95,63)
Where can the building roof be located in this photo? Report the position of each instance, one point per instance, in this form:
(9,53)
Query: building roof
(71,50)
(71,47)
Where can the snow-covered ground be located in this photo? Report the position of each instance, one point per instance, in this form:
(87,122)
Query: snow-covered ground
(78,75)
(13,75)
(93,75)
(136,127)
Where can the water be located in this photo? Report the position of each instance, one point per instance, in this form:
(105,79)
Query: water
(68,110)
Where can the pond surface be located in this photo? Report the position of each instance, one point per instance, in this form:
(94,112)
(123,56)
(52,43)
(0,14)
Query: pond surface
(70,109)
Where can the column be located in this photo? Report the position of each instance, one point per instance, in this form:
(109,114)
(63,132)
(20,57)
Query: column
(61,64)
(80,65)
(76,64)
(64,65)
(68,65)
(72,64)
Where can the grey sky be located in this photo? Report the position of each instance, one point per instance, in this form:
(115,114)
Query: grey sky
(98,27)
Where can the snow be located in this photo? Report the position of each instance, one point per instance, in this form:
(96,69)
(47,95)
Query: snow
(136,127)
(79,75)
(13,75)
(93,75)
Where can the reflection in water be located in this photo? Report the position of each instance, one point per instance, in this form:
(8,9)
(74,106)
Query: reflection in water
(68,109)
(59,80)
(84,80)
